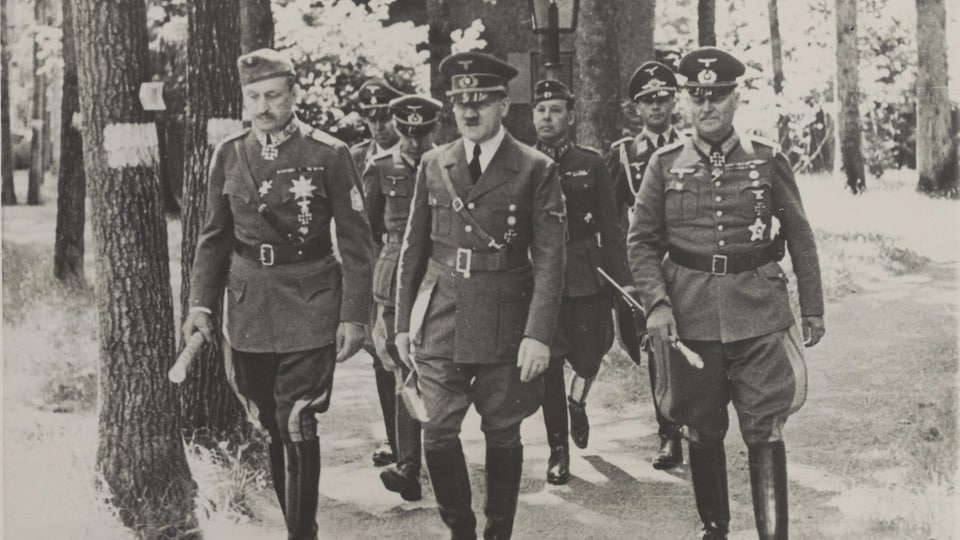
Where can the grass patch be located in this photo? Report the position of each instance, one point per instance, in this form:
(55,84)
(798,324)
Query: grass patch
(849,259)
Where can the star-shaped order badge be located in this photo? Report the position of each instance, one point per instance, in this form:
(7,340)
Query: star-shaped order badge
(265,187)
(302,188)
(757,229)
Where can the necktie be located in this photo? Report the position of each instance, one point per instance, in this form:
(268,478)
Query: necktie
(474,165)
(660,140)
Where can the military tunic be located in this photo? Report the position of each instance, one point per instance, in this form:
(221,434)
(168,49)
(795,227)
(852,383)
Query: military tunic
(628,160)
(594,240)
(468,302)
(748,206)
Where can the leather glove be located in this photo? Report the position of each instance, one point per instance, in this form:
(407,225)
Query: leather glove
(198,321)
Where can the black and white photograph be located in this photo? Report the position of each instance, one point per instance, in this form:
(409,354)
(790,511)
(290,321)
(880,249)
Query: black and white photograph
(464,269)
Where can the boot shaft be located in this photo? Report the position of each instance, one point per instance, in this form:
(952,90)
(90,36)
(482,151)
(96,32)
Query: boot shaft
(504,470)
(451,486)
(708,469)
(302,489)
(768,485)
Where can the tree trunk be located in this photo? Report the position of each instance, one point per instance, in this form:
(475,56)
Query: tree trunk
(36,121)
(439,44)
(71,184)
(414,11)
(936,150)
(256,25)
(776,49)
(140,455)
(848,95)
(598,102)
(212,112)
(9,194)
(706,22)
(635,27)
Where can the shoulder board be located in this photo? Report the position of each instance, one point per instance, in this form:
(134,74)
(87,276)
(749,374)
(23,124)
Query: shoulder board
(382,155)
(763,142)
(672,147)
(360,145)
(236,135)
(324,138)
(618,142)
(588,149)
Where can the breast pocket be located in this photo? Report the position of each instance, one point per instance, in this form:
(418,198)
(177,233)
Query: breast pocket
(397,193)
(756,198)
(238,193)
(680,201)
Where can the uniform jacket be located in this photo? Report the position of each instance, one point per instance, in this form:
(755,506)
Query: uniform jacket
(755,199)
(633,154)
(388,184)
(594,230)
(285,307)
(482,318)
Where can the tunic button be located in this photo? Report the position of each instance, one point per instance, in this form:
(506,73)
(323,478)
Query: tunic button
(719,213)
(717,183)
(468,228)
(754,175)
(471,206)
(721,242)
(719,198)
(393,193)
(512,220)
(513,208)
(755,183)
(719,227)
(299,252)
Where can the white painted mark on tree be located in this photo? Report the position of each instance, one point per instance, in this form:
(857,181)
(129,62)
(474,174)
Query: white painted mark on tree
(130,145)
(219,129)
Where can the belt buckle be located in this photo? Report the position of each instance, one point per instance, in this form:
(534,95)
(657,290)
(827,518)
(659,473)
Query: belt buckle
(266,254)
(464,258)
(718,265)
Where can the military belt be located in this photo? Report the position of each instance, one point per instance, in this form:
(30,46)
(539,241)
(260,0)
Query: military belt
(721,265)
(466,261)
(270,254)
(392,237)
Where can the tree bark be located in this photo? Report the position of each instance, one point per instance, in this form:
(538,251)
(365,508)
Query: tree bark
(256,25)
(776,49)
(635,26)
(848,95)
(9,194)
(212,111)
(598,101)
(36,121)
(140,455)
(71,183)
(706,22)
(936,149)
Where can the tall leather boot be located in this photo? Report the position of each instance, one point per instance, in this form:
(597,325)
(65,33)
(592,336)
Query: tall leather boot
(671,450)
(277,467)
(555,420)
(451,486)
(404,476)
(577,401)
(708,468)
(504,469)
(768,483)
(387,392)
(303,479)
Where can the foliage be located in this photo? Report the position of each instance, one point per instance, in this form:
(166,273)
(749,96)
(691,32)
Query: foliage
(336,45)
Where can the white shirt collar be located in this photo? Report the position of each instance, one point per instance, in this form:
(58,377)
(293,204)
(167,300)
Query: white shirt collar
(487,148)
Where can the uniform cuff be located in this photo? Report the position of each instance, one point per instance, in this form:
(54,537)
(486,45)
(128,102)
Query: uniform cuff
(201,309)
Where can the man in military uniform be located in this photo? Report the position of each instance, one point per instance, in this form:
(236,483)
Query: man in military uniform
(594,239)
(291,312)
(388,183)
(479,285)
(652,87)
(721,206)
(375,96)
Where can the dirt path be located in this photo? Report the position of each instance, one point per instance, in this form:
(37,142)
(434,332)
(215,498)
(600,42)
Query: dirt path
(850,476)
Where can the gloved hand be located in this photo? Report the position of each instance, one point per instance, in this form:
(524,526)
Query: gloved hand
(402,341)
(379,334)
(198,321)
(813,330)
(349,339)
(533,358)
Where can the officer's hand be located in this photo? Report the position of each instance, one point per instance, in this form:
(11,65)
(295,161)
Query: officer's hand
(532,359)
(198,321)
(632,291)
(379,334)
(349,340)
(402,341)
(661,324)
(813,330)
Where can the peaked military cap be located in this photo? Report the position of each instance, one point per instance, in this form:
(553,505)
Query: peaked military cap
(652,80)
(551,89)
(475,75)
(710,71)
(264,64)
(375,96)
(415,115)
